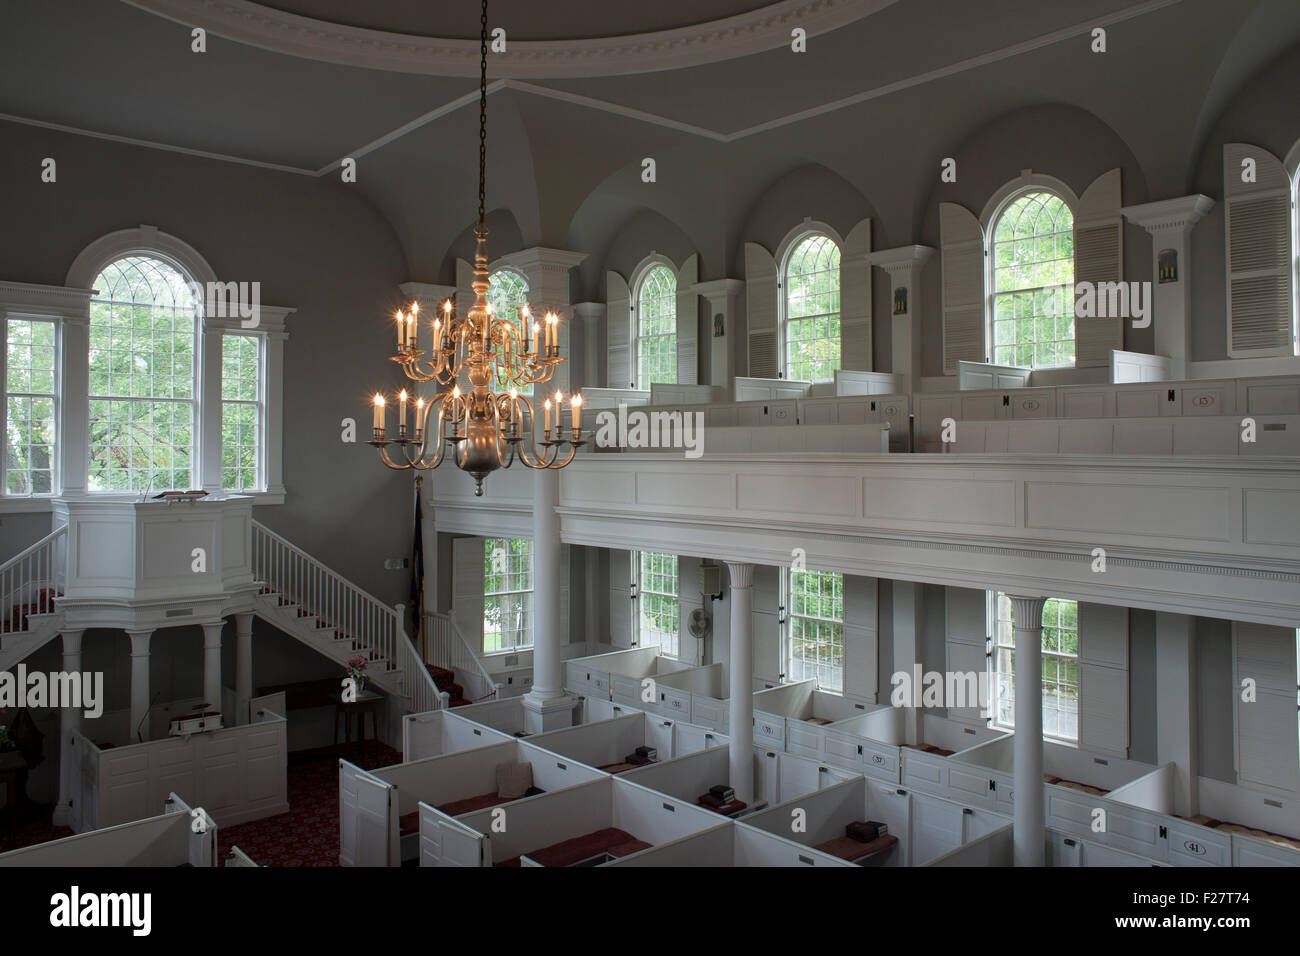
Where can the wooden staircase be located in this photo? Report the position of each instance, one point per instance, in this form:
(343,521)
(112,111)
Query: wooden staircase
(29,592)
(446,681)
(322,609)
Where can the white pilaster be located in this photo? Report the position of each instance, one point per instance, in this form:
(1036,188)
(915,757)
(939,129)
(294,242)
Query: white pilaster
(1176,707)
(724,298)
(74,405)
(591,316)
(69,720)
(904,266)
(1028,833)
(243,666)
(907,627)
(139,684)
(1170,223)
(546,707)
(740,684)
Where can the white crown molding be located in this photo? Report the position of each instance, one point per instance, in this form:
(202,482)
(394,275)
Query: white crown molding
(742,35)
(26,298)
(1164,215)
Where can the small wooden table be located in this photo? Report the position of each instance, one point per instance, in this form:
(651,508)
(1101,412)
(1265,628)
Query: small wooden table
(368,702)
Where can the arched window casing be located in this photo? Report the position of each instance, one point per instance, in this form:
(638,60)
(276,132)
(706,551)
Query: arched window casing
(1032,295)
(654,325)
(810,308)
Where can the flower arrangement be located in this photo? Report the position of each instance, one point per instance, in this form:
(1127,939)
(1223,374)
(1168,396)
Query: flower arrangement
(357,672)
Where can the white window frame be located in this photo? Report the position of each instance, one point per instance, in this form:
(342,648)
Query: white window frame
(639,589)
(6,316)
(809,227)
(529,591)
(270,325)
(639,276)
(1027,182)
(785,614)
(996,644)
(259,405)
(196,397)
(1292,165)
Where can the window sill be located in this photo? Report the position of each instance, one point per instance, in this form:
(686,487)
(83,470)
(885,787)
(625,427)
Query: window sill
(26,505)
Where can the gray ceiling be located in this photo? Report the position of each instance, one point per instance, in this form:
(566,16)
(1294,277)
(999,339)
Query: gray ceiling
(522,19)
(919,78)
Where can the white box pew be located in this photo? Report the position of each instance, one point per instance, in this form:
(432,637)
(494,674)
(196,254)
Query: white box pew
(748,388)
(605,743)
(169,839)
(594,676)
(1067,849)
(776,707)
(777,776)
(990,849)
(372,804)
(867,743)
(695,695)
(607,815)
(1067,771)
(1232,804)
(436,732)
(731,846)
(237,858)
(818,819)
(921,769)
(505,715)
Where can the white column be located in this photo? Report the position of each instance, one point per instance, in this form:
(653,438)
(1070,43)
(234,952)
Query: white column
(546,707)
(139,684)
(907,627)
(69,720)
(548,271)
(243,666)
(1176,707)
(591,315)
(723,296)
(1028,834)
(740,685)
(209,418)
(212,663)
(904,266)
(1170,223)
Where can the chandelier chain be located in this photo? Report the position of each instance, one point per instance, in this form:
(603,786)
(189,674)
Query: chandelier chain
(482,118)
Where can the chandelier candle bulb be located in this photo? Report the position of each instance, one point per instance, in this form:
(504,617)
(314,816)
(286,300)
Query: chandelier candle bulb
(546,430)
(576,404)
(401,417)
(401,330)
(379,413)
(412,330)
(419,417)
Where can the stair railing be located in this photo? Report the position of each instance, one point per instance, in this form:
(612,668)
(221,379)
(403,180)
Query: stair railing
(30,579)
(449,648)
(422,692)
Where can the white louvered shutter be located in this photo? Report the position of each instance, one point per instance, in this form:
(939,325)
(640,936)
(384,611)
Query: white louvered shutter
(961,242)
(621,606)
(1098,258)
(1258,247)
(467,587)
(761,290)
(1267,753)
(688,322)
(967,641)
(1103,679)
(618,325)
(855,299)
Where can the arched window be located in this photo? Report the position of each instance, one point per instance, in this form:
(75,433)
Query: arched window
(1033,282)
(508,293)
(812,309)
(656,327)
(143,377)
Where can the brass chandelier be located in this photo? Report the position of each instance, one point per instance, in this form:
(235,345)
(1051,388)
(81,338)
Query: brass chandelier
(486,429)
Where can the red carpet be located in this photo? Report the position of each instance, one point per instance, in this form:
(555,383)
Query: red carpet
(309,835)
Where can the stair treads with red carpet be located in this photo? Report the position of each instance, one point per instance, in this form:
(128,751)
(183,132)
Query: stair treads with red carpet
(41,603)
(610,840)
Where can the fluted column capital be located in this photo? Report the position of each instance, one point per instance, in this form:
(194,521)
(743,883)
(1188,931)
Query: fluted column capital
(742,575)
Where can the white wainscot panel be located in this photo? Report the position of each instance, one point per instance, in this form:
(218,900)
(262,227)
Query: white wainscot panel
(798,494)
(947,500)
(1132,509)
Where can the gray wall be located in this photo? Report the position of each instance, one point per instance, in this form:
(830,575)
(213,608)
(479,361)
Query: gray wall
(313,244)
